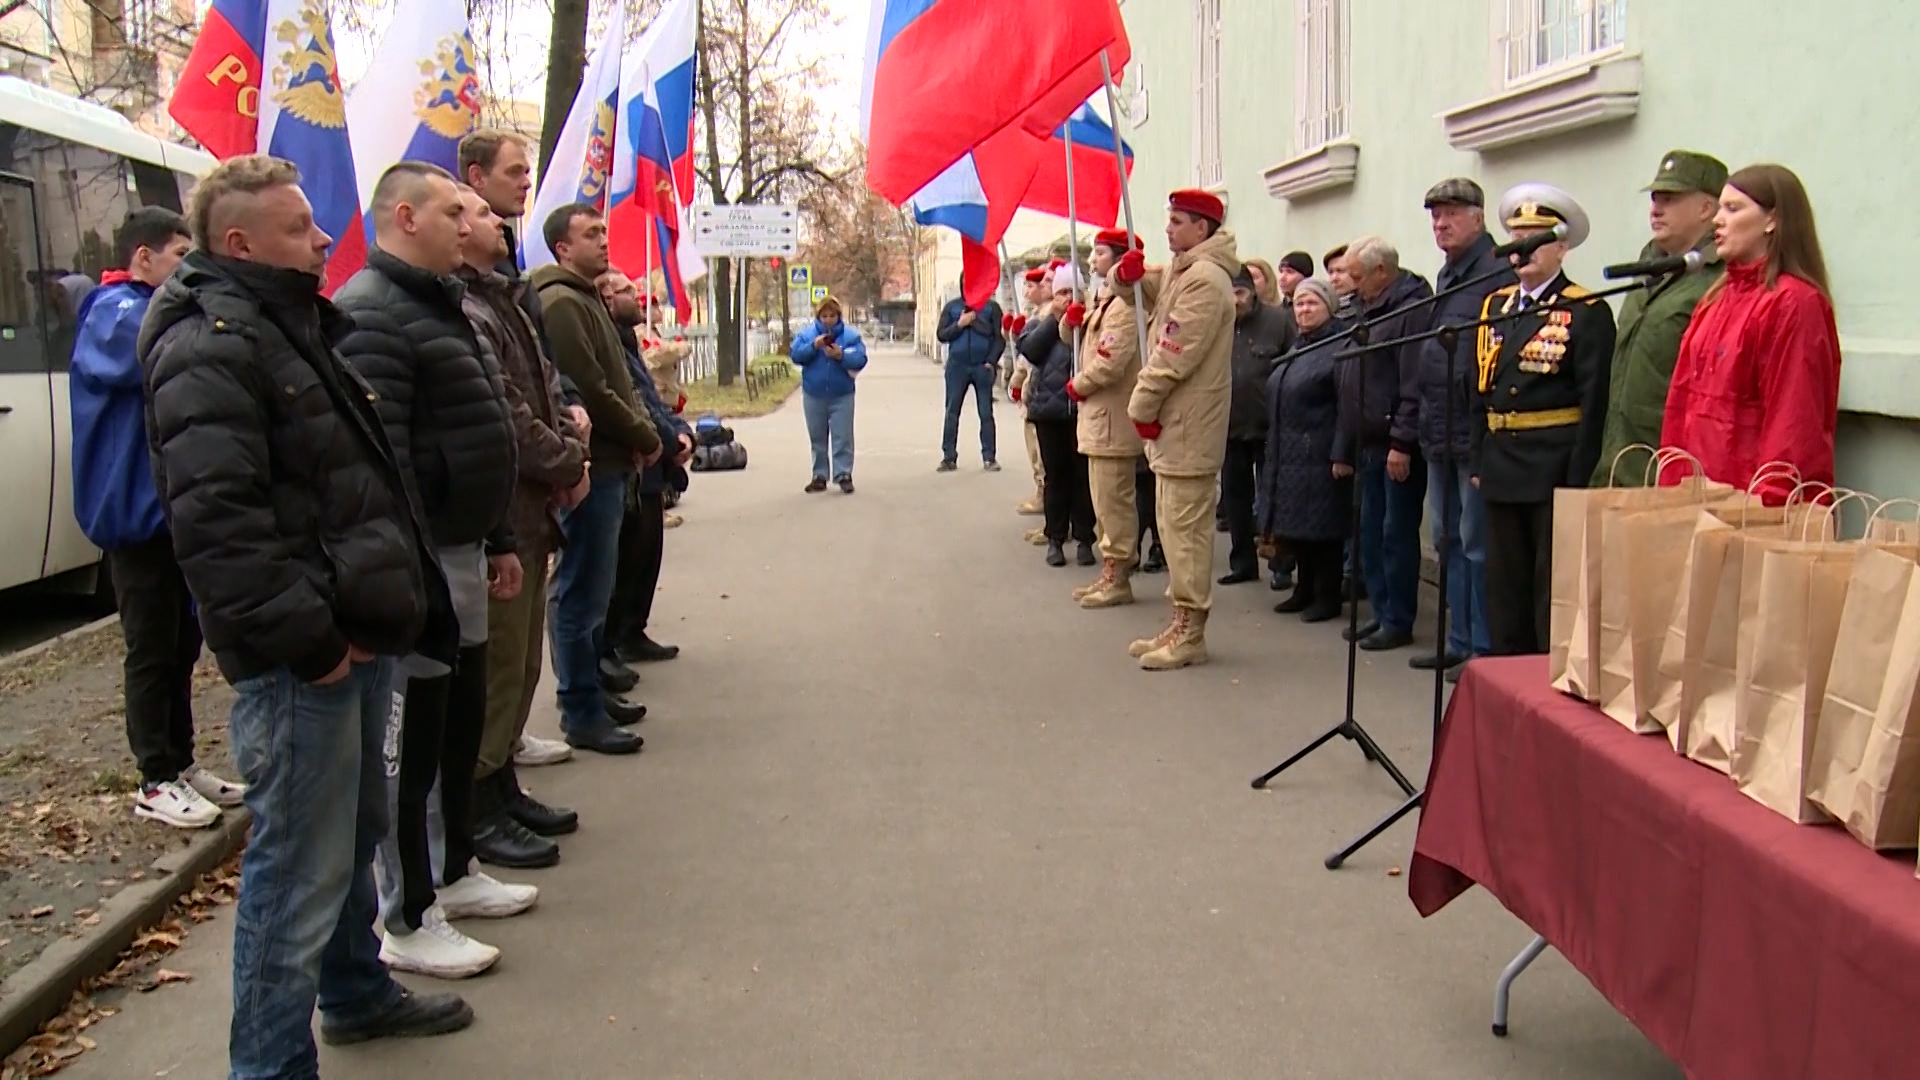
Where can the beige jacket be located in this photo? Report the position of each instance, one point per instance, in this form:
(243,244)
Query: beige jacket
(1109,365)
(663,363)
(1021,369)
(1186,382)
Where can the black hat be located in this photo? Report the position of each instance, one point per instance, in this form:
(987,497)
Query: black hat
(1299,262)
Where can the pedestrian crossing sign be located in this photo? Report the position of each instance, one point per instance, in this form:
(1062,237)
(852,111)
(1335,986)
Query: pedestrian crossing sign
(819,293)
(799,277)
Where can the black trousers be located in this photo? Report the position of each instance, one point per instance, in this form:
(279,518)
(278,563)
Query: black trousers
(1145,500)
(163,644)
(1519,576)
(1319,571)
(439,740)
(1239,477)
(1067,499)
(643,536)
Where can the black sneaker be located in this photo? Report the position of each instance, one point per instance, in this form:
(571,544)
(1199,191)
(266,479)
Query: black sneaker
(947,466)
(816,485)
(1156,561)
(414,1016)
(1084,556)
(1056,553)
(846,485)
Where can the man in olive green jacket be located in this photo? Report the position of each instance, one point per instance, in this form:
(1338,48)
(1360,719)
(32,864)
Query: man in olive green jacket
(1685,196)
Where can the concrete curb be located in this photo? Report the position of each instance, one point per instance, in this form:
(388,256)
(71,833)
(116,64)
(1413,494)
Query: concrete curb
(39,991)
(23,655)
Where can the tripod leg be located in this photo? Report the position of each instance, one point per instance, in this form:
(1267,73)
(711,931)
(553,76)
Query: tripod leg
(1339,858)
(1341,729)
(1504,987)
(1374,753)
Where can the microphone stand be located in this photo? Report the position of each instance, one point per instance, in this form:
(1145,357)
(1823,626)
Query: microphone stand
(1448,336)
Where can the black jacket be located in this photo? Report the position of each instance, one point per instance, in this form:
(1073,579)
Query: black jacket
(1379,400)
(1259,339)
(289,515)
(1457,310)
(1045,394)
(1541,362)
(441,398)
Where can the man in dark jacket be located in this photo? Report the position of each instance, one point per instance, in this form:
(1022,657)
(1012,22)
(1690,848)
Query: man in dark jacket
(1378,412)
(1261,334)
(445,415)
(118,509)
(586,346)
(974,348)
(313,573)
(643,525)
(1457,208)
(510,827)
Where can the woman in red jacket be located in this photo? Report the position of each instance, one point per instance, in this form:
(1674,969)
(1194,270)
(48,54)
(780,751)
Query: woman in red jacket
(1758,378)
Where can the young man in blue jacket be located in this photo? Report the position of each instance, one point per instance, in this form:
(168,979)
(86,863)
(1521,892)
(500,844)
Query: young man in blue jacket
(975,344)
(118,509)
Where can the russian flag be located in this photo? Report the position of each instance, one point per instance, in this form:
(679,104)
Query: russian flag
(233,103)
(943,75)
(426,61)
(977,197)
(582,166)
(1096,172)
(644,211)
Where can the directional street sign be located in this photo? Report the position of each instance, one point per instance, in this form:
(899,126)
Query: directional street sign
(746,231)
(819,293)
(799,277)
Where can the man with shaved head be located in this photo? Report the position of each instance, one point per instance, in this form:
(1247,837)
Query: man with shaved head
(440,399)
(312,573)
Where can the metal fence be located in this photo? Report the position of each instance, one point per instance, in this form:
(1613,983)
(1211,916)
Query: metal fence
(703,362)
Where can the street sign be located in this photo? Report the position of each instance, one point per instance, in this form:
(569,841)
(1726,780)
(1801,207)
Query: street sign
(746,231)
(800,277)
(819,293)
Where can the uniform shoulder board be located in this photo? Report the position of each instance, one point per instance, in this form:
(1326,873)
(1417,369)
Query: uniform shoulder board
(1496,298)
(1575,292)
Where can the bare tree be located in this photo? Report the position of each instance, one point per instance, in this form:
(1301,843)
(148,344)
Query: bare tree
(113,56)
(858,245)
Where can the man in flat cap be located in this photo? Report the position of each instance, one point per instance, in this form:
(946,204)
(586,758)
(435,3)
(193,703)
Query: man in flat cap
(1537,418)
(1685,195)
(1456,208)
(1179,406)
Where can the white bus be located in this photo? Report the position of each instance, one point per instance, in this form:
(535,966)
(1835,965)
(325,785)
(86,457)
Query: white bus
(70,171)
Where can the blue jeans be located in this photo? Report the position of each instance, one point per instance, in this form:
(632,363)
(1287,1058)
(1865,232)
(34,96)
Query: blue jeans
(959,377)
(830,420)
(577,600)
(1466,559)
(1390,513)
(303,926)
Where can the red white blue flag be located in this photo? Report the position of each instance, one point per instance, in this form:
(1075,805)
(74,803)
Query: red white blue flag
(645,210)
(420,96)
(582,166)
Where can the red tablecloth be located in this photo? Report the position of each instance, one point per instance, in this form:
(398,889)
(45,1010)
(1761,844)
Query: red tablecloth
(1745,946)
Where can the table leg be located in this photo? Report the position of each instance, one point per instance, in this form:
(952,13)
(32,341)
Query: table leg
(1512,971)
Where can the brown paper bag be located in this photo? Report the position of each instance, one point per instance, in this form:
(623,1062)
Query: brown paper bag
(1800,591)
(1865,766)
(1707,638)
(1573,658)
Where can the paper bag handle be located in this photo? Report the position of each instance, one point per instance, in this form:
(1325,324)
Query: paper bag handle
(1614,468)
(1832,509)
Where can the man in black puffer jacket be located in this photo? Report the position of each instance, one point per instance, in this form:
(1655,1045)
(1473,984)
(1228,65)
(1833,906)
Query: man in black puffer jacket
(445,412)
(312,572)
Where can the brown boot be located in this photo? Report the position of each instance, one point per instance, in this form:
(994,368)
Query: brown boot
(1185,645)
(1144,646)
(1031,508)
(1107,572)
(1114,589)
(1036,537)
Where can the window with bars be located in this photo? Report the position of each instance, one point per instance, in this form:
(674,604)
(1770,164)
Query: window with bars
(1320,98)
(142,22)
(1545,35)
(1207,168)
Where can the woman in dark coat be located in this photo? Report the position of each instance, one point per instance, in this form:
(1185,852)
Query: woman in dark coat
(1304,508)
(1066,498)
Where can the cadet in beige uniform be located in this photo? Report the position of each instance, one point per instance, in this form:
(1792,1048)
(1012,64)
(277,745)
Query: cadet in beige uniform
(1179,406)
(1109,367)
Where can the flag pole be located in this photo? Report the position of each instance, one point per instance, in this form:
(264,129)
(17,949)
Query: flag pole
(1126,196)
(1073,230)
(646,263)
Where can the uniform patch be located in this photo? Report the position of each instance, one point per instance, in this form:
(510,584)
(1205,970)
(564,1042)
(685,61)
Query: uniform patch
(1171,346)
(1106,342)
(1171,328)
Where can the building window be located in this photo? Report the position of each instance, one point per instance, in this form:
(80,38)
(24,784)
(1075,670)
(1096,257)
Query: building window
(1320,98)
(142,19)
(1545,35)
(1206,93)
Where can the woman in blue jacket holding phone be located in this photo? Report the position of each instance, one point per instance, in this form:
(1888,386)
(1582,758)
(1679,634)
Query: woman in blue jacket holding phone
(830,353)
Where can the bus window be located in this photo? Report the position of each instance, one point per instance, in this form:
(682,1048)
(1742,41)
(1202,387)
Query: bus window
(21,339)
(156,186)
(82,199)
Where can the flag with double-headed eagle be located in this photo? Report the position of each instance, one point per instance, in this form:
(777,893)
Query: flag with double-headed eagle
(582,161)
(262,79)
(645,215)
(420,96)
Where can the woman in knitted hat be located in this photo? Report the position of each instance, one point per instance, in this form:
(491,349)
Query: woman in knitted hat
(1049,347)
(1303,508)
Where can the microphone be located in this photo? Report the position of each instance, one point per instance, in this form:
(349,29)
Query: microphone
(1531,244)
(1671,264)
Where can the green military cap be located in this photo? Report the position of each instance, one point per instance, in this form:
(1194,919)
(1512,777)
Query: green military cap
(1687,170)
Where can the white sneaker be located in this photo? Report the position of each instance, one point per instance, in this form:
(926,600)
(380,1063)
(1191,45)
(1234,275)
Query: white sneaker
(217,791)
(437,950)
(479,896)
(176,804)
(535,751)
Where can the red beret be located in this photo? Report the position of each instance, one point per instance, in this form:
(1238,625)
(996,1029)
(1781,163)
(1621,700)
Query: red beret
(1038,273)
(1201,203)
(1117,239)
(1056,264)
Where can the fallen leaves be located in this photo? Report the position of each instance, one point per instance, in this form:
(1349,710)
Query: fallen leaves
(59,1041)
